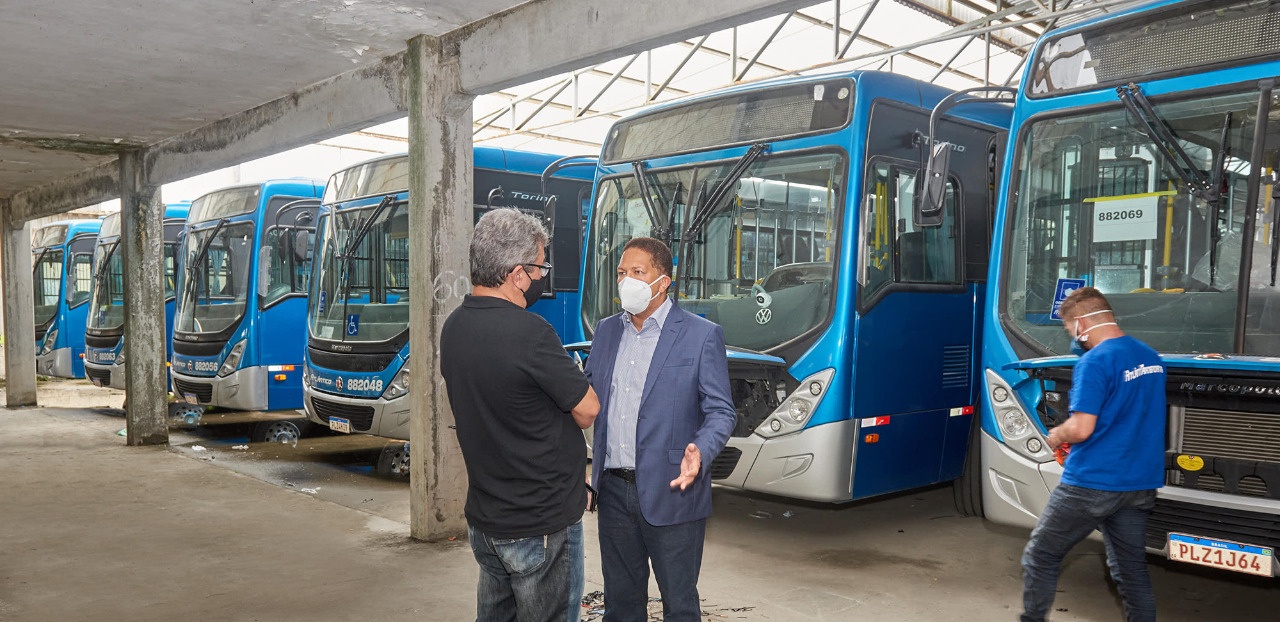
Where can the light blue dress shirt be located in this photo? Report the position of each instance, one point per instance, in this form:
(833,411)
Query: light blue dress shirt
(630,369)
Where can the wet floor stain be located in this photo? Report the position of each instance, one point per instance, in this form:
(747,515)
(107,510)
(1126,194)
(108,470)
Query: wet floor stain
(866,559)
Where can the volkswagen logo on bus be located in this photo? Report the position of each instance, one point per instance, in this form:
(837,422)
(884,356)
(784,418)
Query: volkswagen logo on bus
(764,315)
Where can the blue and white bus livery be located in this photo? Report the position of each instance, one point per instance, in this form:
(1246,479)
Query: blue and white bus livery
(851,326)
(104,324)
(62,269)
(239,335)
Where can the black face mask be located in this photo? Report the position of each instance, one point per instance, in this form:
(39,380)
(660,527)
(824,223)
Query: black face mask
(535,290)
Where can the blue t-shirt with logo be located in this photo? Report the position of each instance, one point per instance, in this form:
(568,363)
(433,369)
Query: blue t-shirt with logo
(1122,381)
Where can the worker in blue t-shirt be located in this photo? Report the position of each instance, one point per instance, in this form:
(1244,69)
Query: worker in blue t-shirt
(1116,434)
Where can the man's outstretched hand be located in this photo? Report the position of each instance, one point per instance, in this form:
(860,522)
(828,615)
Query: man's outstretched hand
(689,467)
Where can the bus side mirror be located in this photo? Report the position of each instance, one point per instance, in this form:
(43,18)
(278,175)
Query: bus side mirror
(933,193)
(301,246)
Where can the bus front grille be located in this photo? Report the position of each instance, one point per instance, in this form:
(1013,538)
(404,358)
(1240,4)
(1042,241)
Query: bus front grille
(724,464)
(99,377)
(361,417)
(1257,528)
(202,390)
(1240,452)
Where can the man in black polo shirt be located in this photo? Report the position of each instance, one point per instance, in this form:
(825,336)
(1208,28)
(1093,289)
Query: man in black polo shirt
(520,404)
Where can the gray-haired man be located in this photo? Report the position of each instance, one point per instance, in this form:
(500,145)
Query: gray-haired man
(520,403)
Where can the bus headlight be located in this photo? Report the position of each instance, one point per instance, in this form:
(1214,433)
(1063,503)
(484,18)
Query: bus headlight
(232,361)
(795,410)
(1016,426)
(50,338)
(120,356)
(399,385)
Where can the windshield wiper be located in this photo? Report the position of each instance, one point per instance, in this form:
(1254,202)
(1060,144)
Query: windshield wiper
(709,207)
(658,226)
(101,276)
(348,251)
(203,253)
(1162,136)
(1209,189)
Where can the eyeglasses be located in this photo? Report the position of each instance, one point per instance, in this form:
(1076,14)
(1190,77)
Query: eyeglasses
(546,267)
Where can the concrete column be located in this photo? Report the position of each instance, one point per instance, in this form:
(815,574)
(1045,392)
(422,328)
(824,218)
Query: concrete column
(441,215)
(19,311)
(141,244)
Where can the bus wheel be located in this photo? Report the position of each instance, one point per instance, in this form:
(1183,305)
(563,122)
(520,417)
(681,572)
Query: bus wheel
(394,461)
(968,488)
(285,431)
(185,415)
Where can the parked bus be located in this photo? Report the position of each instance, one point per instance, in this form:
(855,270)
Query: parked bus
(1143,162)
(238,336)
(104,328)
(62,268)
(358,342)
(851,325)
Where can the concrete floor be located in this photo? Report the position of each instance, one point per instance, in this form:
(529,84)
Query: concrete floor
(93,530)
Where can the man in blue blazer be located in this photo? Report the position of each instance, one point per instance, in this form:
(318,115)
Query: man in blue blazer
(663,381)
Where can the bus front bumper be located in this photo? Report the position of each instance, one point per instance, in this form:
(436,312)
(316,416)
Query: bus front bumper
(56,363)
(105,375)
(380,417)
(814,463)
(244,389)
(1014,488)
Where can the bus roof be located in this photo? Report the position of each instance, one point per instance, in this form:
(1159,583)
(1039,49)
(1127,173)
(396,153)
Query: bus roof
(489,158)
(298,186)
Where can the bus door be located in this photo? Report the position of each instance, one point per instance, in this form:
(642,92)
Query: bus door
(918,304)
(284,272)
(79,283)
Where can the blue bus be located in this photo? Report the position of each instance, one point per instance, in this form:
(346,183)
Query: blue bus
(104,328)
(1144,161)
(851,324)
(358,321)
(238,335)
(62,269)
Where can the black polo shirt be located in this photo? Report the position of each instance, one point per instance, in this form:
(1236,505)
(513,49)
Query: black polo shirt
(512,387)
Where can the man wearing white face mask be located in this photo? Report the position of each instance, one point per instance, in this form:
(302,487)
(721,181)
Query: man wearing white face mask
(666,411)
(1117,435)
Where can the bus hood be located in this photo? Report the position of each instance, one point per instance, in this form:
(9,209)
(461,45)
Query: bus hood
(1233,362)
(736,356)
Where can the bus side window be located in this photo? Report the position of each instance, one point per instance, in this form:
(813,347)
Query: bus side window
(877,230)
(895,250)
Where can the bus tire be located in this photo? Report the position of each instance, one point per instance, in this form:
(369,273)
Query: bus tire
(394,461)
(967,489)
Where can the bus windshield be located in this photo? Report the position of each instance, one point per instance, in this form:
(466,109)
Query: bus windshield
(48,284)
(360,289)
(1104,200)
(774,232)
(106,307)
(216,285)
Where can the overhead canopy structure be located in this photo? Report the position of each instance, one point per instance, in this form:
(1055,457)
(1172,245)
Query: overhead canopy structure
(205,83)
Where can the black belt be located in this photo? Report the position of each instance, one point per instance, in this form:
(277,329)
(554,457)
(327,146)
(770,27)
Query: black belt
(626,475)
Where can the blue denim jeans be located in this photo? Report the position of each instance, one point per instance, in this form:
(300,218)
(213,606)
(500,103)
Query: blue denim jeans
(627,545)
(1070,516)
(529,579)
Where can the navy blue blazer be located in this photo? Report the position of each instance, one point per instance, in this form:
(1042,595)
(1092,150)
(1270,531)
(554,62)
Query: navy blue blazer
(686,400)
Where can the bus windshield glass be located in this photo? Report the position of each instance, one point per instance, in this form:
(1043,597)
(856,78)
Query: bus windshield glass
(762,264)
(106,308)
(47,284)
(216,284)
(360,285)
(1106,200)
